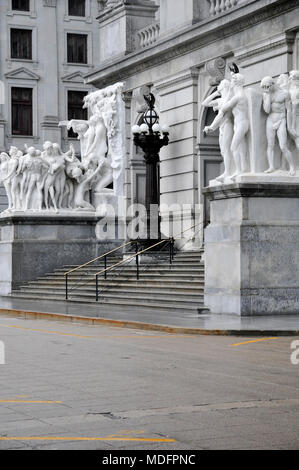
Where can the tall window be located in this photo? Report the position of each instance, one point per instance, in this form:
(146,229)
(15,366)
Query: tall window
(77,7)
(21,43)
(75,110)
(22,5)
(21,111)
(77,48)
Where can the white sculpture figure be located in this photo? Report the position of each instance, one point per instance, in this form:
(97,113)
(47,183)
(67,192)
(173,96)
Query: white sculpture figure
(238,105)
(4,166)
(96,137)
(225,124)
(58,164)
(70,167)
(32,177)
(49,185)
(82,185)
(293,112)
(12,181)
(35,166)
(275,103)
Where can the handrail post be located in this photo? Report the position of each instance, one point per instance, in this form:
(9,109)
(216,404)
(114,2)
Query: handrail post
(171,250)
(97,288)
(137,262)
(105,272)
(66,287)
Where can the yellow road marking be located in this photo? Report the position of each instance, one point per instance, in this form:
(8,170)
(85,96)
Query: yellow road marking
(30,401)
(254,341)
(50,438)
(45,331)
(54,332)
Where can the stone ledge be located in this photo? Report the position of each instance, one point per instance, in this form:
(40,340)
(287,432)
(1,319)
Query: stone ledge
(48,219)
(281,190)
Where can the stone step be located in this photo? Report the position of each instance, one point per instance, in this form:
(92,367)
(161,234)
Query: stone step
(89,291)
(124,286)
(131,277)
(132,266)
(120,302)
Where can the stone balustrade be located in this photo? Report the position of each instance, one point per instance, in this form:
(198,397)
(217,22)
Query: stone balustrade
(221,6)
(148,35)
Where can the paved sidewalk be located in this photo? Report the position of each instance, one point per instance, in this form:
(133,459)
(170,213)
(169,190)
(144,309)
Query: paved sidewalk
(176,322)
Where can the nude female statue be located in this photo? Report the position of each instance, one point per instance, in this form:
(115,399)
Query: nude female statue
(275,104)
(225,124)
(59,161)
(49,185)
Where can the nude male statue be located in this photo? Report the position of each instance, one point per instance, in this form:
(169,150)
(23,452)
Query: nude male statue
(225,123)
(275,104)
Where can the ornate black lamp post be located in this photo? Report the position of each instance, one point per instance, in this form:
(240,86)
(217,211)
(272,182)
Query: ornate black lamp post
(151,137)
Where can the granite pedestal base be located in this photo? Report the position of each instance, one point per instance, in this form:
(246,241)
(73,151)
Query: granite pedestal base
(33,245)
(252,249)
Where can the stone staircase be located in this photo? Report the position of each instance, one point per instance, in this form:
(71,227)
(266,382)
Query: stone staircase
(169,287)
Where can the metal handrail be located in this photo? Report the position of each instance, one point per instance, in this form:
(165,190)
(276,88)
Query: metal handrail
(136,255)
(132,257)
(99,257)
(104,255)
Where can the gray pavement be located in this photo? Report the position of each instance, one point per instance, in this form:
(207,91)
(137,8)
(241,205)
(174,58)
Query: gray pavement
(232,324)
(75,386)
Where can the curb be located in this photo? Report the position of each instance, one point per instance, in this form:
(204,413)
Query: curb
(27,314)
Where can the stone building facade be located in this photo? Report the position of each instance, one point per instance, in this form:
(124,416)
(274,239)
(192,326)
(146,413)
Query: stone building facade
(180,50)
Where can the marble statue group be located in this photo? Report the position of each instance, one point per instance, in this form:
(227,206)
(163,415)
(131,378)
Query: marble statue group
(52,180)
(258,129)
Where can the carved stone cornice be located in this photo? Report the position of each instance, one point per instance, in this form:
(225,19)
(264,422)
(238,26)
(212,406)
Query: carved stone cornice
(190,39)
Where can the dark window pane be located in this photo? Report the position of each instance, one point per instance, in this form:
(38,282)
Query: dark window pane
(21,43)
(75,110)
(21,111)
(77,48)
(22,5)
(77,7)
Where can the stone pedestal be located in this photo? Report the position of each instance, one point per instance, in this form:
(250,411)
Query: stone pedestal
(252,249)
(33,245)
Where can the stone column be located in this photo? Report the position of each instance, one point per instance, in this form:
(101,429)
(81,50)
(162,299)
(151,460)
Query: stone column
(252,249)
(49,100)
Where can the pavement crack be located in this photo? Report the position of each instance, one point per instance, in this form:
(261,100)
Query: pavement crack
(107,414)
